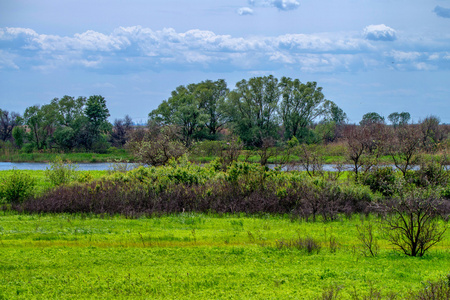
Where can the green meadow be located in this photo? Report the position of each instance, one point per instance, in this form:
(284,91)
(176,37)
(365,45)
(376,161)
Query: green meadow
(202,256)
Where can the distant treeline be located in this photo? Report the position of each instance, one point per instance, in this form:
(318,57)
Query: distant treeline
(262,112)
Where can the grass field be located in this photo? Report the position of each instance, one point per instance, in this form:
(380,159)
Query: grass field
(42,183)
(198,256)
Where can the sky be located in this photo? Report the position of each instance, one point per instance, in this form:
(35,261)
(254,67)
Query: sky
(379,56)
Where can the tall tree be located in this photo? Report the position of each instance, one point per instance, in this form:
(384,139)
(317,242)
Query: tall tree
(252,108)
(97,114)
(7,123)
(211,96)
(399,119)
(41,120)
(71,120)
(122,128)
(300,105)
(371,118)
(182,109)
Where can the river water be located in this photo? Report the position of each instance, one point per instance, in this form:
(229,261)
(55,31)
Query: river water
(42,166)
(108,166)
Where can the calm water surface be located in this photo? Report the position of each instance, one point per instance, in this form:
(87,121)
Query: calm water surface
(107,166)
(42,166)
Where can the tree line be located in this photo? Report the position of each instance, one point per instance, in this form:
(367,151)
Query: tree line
(258,109)
(261,112)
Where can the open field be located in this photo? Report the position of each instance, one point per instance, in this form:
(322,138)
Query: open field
(199,256)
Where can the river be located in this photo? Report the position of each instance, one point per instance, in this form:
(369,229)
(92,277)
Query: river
(108,166)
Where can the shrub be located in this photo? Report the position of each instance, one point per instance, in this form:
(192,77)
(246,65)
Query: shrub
(17,187)
(436,290)
(60,172)
(307,244)
(381,180)
(411,223)
(431,174)
(366,235)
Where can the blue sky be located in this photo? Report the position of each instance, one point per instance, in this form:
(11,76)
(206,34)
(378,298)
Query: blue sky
(368,55)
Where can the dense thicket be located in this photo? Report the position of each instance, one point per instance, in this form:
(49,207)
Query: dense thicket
(244,187)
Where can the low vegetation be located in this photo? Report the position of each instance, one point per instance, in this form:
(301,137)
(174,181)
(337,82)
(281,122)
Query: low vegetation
(204,256)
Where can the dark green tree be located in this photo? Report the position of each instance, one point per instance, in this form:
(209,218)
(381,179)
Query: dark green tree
(182,109)
(300,105)
(41,120)
(211,96)
(252,108)
(399,119)
(97,114)
(70,121)
(371,118)
(19,134)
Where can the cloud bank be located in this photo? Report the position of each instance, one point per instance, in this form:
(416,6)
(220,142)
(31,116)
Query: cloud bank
(136,48)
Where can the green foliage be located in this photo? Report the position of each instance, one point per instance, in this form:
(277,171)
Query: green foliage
(16,187)
(399,119)
(252,108)
(383,180)
(187,109)
(59,172)
(300,104)
(18,134)
(158,146)
(371,118)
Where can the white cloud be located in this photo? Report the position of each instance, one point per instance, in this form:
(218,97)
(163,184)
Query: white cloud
(243,11)
(7,60)
(380,33)
(286,4)
(132,49)
(280,4)
(404,56)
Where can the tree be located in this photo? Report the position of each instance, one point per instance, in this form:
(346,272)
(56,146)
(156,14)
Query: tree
(157,145)
(41,120)
(252,108)
(211,96)
(334,113)
(7,123)
(398,119)
(404,147)
(411,224)
(97,114)
(18,134)
(365,145)
(432,134)
(69,109)
(371,118)
(182,109)
(70,122)
(121,131)
(300,105)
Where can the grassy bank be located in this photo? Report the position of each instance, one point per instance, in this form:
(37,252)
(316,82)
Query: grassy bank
(42,182)
(187,256)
